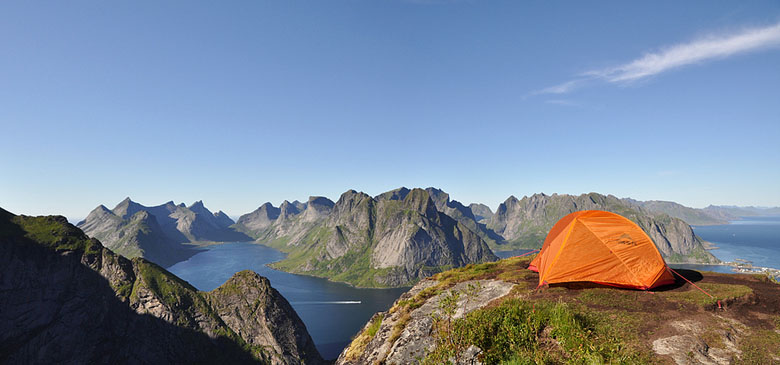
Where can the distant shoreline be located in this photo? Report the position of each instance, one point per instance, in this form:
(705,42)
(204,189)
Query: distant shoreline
(741,266)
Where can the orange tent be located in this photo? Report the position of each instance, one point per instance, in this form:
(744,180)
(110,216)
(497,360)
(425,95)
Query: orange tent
(603,248)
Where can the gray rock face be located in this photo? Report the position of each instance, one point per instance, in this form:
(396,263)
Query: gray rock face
(525,223)
(480,211)
(157,233)
(317,207)
(415,341)
(259,219)
(66,298)
(263,318)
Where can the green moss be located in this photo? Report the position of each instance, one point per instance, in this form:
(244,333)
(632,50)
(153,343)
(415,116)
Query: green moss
(610,298)
(760,347)
(722,292)
(540,332)
(56,233)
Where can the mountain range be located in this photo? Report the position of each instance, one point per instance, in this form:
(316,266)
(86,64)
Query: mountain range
(394,238)
(64,297)
(158,233)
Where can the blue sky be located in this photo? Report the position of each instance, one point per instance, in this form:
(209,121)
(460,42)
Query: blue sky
(238,103)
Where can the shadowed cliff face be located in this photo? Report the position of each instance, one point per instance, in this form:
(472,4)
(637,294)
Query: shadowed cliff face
(66,298)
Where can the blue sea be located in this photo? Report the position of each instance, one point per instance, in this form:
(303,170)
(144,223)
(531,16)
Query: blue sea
(333,312)
(755,239)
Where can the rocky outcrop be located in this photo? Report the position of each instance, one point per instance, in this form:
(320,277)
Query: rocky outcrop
(525,223)
(260,219)
(481,211)
(392,240)
(66,298)
(404,336)
(157,233)
(495,313)
(263,318)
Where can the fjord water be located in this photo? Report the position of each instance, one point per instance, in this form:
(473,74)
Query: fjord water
(332,312)
(756,239)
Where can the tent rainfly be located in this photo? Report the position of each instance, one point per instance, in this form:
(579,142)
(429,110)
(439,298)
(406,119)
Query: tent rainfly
(600,247)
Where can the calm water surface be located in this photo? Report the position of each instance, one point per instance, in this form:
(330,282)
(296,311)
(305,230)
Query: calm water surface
(332,312)
(756,239)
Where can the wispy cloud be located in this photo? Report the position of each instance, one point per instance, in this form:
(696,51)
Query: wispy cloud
(562,102)
(561,88)
(668,58)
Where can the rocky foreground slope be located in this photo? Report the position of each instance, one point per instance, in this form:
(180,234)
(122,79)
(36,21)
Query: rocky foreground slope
(492,313)
(66,298)
(391,240)
(157,233)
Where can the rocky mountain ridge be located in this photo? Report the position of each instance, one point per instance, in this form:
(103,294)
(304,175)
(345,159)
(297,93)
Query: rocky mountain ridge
(66,298)
(393,239)
(158,233)
(691,216)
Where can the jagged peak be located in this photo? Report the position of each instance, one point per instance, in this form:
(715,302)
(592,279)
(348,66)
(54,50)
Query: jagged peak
(395,194)
(197,205)
(352,194)
(321,201)
(268,205)
(287,209)
(420,200)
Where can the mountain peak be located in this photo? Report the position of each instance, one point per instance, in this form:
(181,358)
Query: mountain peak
(420,200)
(395,194)
(197,205)
(319,202)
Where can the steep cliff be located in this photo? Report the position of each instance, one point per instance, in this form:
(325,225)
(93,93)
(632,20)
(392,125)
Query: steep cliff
(481,211)
(66,298)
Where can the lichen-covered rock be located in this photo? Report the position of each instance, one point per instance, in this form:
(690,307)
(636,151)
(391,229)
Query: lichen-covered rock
(405,337)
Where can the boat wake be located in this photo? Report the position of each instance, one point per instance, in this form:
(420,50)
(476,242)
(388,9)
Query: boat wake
(330,302)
